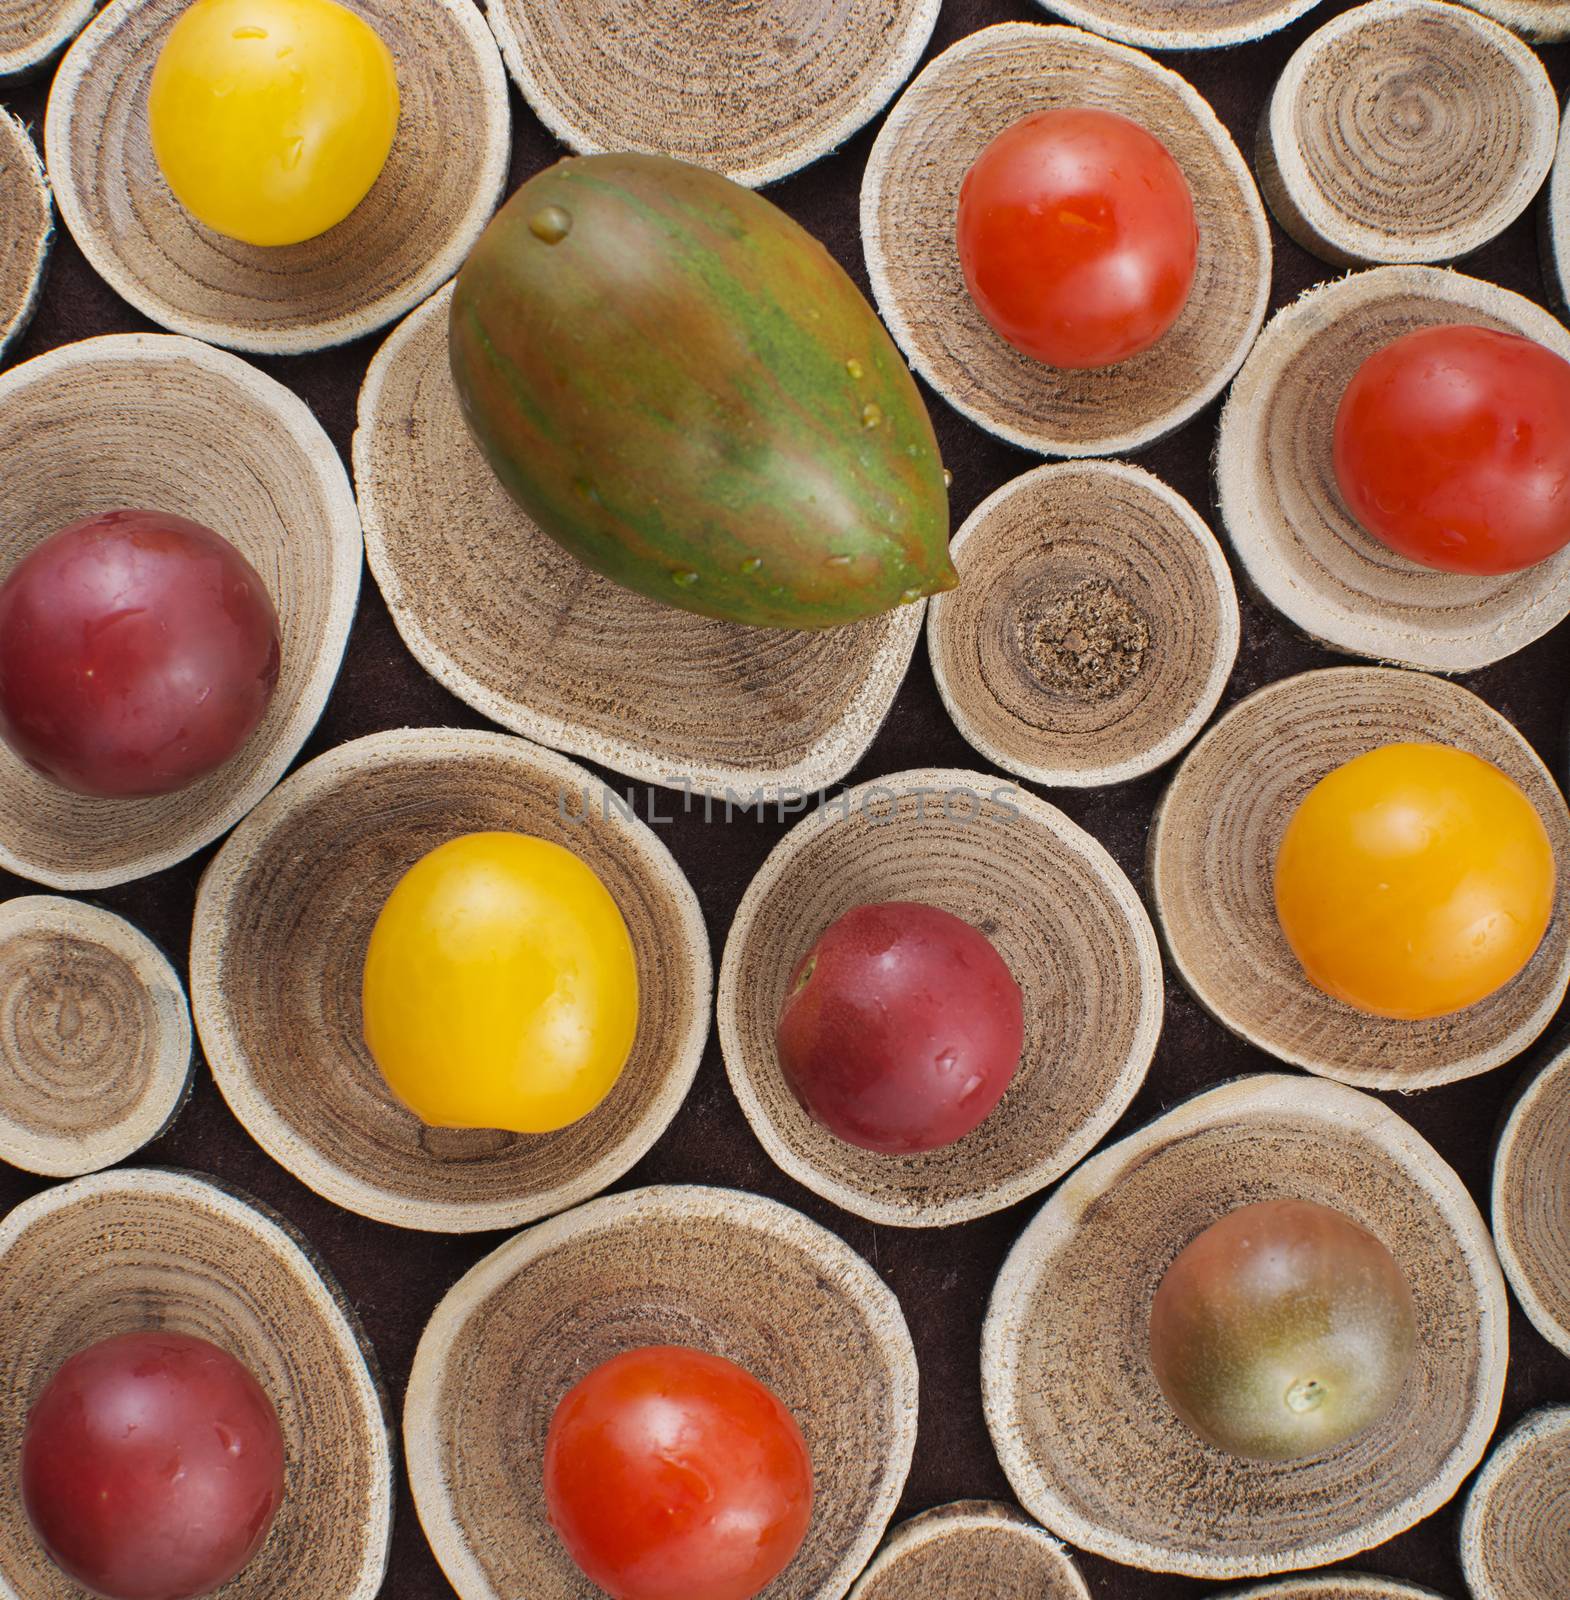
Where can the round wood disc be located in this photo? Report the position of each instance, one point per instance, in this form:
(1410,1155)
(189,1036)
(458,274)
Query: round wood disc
(754,92)
(712,1269)
(26,227)
(1094,627)
(1085,1435)
(510,622)
(973,1547)
(1059,911)
(1531,1201)
(1181,24)
(938,127)
(130,1250)
(1515,1532)
(1334,1586)
(1213,846)
(1542,21)
(441,183)
(1556,221)
(1277,495)
(95,1037)
(32,32)
(166,424)
(283,919)
(1406,130)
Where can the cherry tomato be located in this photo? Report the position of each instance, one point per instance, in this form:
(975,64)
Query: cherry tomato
(1414,881)
(271,119)
(152,1467)
(1283,1330)
(675,1475)
(501,987)
(903,1028)
(138,653)
(1077,237)
(1452,446)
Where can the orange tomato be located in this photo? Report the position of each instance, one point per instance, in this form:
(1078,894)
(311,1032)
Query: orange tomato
(1414,881)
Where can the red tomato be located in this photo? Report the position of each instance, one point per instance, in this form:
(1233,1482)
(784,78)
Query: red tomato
(675,1475)
(903,1028)
(1077,237)
(1452,446)
(152,1467)
(138,652)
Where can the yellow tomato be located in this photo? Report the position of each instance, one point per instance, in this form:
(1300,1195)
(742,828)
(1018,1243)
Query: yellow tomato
(501,988)
(1414,881)
(271,119)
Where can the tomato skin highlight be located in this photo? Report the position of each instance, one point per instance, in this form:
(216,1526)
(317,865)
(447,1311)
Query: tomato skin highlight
(671,1474)
(500,986)
(152,1467)
(1452,447)
(138,653)
(903,1028)
(1077,237)
(1414,881)
(272,119)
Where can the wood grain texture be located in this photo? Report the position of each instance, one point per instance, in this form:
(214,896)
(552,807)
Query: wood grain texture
(411,232)
(1087,1439)
(283,920)
(509,621)
(1541,21)
(1555,230)
(750,91)
(95,1037)
(938,127)
(1059,911)
(33,32)
(159,423)
(1515,1531)
(1333,1586)
(1181,24)
(1531,1200)
(135,1249)
(1406,131)
(1094,627)
(716,1269)
(971,1550)
(1281,509)
(26,229)
(1212,858)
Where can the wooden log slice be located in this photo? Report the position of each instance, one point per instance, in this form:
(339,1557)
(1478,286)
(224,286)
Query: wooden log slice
(1515,1531)
(1556,221)
(1541,21)
(1334,1586)
(27,229)
(33,32)
(1181,24)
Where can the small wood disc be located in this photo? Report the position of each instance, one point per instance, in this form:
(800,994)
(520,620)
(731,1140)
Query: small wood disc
(1213,846)
(1406,130)
(1084,1433)
(1515,1532)
(441,183)
(165,424)
(511,623)
(712,1269)
(975,1548)
(1556,220)
(1531,1201)
(1094,627)
(754,92)
(32,32)
(140,1249)
(1334,1586)
(938,127)
(283,919)
(1181,24)
(1276,485)
(27,227)
(1541,21)
(95,1037)
(1061,914)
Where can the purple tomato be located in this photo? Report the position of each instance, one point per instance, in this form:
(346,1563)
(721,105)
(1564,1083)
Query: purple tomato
(138,652)
(902,1029)
(152,1467)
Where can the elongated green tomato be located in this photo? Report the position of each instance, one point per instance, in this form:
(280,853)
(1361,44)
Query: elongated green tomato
(1282,1331)
(271,119)
(501,986)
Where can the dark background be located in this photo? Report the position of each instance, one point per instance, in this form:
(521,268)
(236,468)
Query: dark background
(942,1277)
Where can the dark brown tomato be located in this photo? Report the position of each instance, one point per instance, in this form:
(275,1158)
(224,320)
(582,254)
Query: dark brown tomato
(1282,1331)
(903,1028)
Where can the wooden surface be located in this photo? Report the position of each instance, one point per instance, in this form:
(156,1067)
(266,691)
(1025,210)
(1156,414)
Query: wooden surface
(943,1279)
